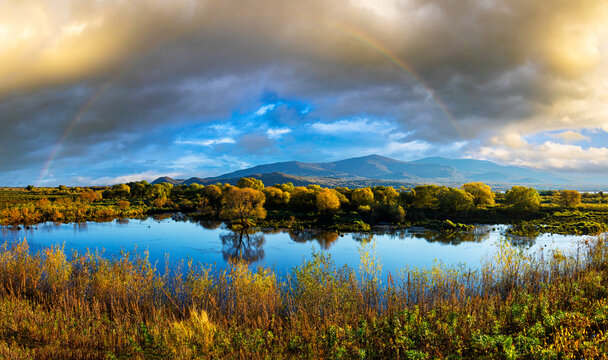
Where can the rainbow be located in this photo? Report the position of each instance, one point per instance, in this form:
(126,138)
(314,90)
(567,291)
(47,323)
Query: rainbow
(352,33)
(99,92)
(69,128)
(392,58)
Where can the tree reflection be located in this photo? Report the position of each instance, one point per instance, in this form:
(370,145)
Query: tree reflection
(209,224)
(363,237)
(451,237)
(325,238)
(243,245)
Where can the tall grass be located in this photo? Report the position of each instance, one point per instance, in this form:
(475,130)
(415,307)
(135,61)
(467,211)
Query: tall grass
(549,305)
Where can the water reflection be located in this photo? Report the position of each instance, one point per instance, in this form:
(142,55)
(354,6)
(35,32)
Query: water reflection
(325,238)
(210,242)
(84,227)
(363,237)
(451,237)
(243,245)
(209,224)
(480,234)
(250,243)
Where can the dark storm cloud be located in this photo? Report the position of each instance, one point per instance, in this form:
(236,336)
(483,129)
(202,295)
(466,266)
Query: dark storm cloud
(494,65)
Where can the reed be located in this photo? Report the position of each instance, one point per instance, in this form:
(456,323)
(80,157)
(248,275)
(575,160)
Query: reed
(516,305)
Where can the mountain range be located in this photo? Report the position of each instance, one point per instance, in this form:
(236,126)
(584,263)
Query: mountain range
(380,170)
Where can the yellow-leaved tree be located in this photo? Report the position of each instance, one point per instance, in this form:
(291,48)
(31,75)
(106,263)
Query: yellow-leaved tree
(243,206)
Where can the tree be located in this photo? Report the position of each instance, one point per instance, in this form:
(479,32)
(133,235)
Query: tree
(327,201)
(287,187)
(363,197)
(212,192)
(568,198)
(138,189)
(523,199)
(425,196)
(385,195)
(250,183)
(243,205)
(482,193)
(90,196)
(302,199)
(211,201)
(157,191)
(276,198)
(121,191)
(452,199)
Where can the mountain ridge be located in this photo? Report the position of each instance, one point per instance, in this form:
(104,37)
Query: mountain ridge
(372,169)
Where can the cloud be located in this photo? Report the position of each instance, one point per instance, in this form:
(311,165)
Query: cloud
(410,149)
(122,75)
(264,109)
(277,133)
(111,180)
(570,136)
(208,142)
(256,144)
(352,126)
(549,156)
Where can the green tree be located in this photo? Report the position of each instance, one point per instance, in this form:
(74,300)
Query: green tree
(425,196)
(250,183)
(327,201)
(302,199)
(243,206)
(287,187)
(385,195)
(524,199)
(121,191)
(138,189)
(363,197)
(568,198)
(157,191)
(482,193)
(276,198)
(452,199)
(212,200)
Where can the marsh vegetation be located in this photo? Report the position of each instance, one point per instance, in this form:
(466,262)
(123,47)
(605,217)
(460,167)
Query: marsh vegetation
(59,304)
(82,306)
(251,204)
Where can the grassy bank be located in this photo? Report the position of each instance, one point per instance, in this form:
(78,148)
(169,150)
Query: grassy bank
(313,207)
(82,306)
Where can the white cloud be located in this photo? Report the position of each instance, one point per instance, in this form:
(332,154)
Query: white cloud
(277,133)
(570,136)
(264,109)
(360,125)
(109,180)
(192,162)
(208,142)
(202,166)
(549,156)
(416,147)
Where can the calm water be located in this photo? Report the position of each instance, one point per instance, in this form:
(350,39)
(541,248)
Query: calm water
(212,243)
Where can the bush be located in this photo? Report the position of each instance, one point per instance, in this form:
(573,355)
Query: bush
(523,199)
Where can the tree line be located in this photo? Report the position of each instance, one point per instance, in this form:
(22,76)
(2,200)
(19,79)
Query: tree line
(250,200)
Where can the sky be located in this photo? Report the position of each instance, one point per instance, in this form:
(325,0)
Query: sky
(98,92)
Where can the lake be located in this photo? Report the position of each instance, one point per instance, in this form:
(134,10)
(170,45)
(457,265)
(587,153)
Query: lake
(212,243)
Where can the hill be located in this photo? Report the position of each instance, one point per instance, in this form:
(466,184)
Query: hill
(380,170)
